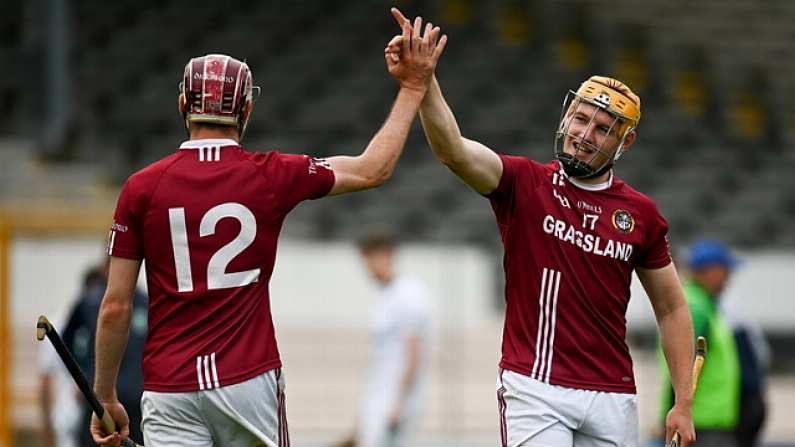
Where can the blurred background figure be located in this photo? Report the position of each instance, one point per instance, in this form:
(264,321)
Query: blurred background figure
(754,354)
(79,335)
(716,403)
(400,324)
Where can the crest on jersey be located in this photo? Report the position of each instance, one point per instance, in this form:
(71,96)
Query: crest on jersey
(623,221)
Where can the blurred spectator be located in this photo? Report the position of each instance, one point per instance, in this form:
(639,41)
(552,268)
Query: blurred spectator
(79,335)
(717,399)
(753,350)
(59,400)
(400,325)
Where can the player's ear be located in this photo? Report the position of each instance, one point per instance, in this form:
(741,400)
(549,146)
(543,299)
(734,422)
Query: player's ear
(181,103)
(245,113)
(629,140)
(247,107)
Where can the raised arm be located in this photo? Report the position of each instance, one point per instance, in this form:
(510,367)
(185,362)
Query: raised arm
(375,165)
(477,165)
(676,334)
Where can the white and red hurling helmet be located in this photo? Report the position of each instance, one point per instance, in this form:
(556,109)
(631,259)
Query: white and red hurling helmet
(216,88)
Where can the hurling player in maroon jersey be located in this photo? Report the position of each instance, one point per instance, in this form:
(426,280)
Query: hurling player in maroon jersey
(573,234)
(206,220)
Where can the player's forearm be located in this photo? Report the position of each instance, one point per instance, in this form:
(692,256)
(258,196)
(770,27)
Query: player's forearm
(113,326)
(378,160)
(676,335)
(676,327)
(440,126)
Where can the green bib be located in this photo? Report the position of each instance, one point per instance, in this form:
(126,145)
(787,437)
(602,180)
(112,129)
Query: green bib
(717,400)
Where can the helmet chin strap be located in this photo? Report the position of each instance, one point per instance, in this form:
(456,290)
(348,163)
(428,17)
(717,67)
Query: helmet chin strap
(579,169)
(603,170)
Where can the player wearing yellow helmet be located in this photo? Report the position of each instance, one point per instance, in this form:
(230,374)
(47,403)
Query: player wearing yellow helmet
(573,234)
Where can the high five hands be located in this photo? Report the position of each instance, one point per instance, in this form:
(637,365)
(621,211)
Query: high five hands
(411,57)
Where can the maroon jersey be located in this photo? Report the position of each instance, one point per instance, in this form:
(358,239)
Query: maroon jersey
(206,220)
(569,255)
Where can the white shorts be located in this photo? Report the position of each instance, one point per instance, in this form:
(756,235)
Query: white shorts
(535,414)
(246,414)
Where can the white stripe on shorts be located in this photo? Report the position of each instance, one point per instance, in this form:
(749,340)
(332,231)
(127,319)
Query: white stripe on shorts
(502,408)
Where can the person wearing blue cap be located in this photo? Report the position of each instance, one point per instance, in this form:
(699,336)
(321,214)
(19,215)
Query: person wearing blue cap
(716,403)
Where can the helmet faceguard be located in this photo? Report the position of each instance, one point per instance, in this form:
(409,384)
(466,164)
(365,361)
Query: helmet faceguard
(217,89)
(587,158)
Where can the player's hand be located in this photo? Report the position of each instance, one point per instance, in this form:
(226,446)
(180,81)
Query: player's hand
(411,58)
(116,411)
(680,420)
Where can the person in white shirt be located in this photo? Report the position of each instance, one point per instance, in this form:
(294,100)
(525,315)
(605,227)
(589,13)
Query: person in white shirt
(400,339)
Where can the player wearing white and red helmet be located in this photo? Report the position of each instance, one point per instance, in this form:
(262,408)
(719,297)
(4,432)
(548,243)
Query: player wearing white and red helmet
(573,235)
(206,220)
(217,89)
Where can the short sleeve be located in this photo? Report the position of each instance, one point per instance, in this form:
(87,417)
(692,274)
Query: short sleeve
(503,198)
(656,253)
(299,177)
(506,185)
(125,239)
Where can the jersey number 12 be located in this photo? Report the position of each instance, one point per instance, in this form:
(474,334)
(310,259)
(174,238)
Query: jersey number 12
(217,278)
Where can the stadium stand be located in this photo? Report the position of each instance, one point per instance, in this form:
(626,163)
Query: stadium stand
(715,146)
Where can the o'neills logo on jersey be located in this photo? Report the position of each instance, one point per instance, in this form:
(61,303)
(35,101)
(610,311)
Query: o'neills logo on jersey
(118,227)
(623,221)
(314,163)
(588,207)
(588,242)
